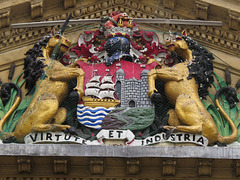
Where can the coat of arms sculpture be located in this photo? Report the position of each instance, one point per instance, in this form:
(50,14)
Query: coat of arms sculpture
(118,83)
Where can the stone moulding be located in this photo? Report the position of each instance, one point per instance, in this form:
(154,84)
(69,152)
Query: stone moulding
(79,167)
(169,167)
(202,10)
(71,150)
(37,8)
(170,4)
(219,38)
(237,167)
(4,17)
(60,166)
(69,3)
(24,165)
(96,166)
(205,168)
(133,166)
(234,20)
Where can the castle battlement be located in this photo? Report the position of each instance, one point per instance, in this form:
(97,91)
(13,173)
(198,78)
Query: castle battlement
(133,92)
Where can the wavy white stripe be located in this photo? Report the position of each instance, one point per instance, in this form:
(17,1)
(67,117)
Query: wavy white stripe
(82,107)
(91,122)
(95,127)
(90,117)
(89,112)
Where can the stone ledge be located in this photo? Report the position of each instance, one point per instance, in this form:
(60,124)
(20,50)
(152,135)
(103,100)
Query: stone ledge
(71,150)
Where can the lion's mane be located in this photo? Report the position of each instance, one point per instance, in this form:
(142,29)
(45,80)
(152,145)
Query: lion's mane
(201,68)
(33,65)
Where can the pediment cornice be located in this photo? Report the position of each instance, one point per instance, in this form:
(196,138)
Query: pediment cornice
(225,38)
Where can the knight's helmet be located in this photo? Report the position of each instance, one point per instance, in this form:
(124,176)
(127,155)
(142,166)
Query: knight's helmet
(118,44)
(117,48)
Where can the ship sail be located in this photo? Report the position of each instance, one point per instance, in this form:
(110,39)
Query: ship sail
(107,86)
(107,79)
(100,93)
(92,92)
(106,94)
(93,85)
(95,79)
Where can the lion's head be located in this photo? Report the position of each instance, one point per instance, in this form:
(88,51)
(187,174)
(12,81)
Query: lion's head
(57,42)
(200,67)
(180,47)
(178,43)
(52,45)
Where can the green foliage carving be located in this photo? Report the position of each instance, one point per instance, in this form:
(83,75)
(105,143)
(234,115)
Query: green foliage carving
(13,119)
(234,113)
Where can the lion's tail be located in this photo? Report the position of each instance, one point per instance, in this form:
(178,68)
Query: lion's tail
(233,137)
(15,105)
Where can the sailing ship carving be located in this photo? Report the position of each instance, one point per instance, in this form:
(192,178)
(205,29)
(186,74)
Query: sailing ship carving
(100,93)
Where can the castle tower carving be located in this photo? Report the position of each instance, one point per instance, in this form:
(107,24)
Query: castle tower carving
(132,92)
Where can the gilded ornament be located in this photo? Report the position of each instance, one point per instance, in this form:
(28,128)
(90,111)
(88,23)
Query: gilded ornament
(108,55)
(44,113)
(182,91)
